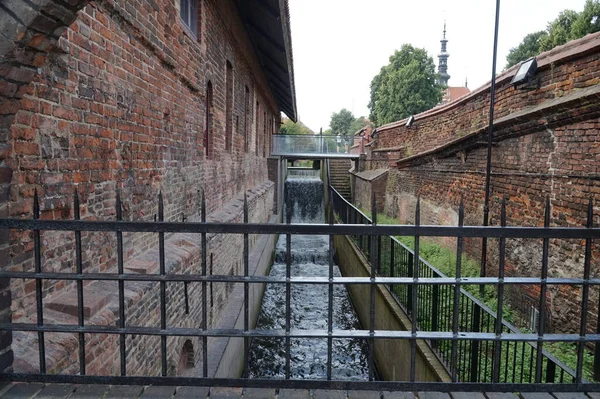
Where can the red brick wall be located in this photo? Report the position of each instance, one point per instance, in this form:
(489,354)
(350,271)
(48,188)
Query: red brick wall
(363,191)
(120,104)
(547,144)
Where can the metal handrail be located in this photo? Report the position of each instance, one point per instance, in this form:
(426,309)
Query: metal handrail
(477,302)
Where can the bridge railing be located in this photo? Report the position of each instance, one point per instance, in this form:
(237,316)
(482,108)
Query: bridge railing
(307,145)
(498,351)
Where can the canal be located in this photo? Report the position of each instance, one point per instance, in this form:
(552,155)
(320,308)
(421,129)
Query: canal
(309,302)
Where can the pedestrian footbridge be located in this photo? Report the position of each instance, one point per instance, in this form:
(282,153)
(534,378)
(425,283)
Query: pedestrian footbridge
(300,146)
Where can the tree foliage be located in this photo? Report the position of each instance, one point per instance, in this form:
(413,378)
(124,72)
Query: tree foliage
(406,86)
(289,127)
(568,25)
(529,47)
(341,122)
(359,123)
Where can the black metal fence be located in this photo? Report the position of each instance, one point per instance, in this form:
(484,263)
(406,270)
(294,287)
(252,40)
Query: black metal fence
(440,306)
(450,332)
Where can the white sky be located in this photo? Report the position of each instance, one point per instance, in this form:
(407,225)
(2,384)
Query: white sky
(340,45)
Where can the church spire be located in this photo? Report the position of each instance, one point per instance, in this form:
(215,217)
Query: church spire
(443,61)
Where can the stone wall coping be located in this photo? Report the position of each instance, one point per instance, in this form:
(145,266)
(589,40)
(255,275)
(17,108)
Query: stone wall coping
(558,55)
(390,149)
(370,175)
(559,102)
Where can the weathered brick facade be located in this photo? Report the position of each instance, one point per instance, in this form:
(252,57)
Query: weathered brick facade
(117,97)
(546,144)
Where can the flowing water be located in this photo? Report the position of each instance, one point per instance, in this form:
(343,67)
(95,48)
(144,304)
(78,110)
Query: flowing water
(308,303)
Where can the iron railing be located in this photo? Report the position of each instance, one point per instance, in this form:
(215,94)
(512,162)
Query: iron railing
(455,338)
(447,307)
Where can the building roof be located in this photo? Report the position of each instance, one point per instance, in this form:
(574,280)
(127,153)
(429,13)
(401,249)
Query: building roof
(268,24)
(452,93)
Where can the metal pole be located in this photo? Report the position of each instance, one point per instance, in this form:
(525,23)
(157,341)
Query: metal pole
(486,205)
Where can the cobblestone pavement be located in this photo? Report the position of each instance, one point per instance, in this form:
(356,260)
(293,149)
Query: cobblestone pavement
(61,391)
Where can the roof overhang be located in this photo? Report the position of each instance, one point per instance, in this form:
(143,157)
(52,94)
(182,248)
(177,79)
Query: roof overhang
(268,24)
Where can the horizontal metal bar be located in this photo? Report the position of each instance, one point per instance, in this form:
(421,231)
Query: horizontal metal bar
(300,280)
(310,229)
(296,333)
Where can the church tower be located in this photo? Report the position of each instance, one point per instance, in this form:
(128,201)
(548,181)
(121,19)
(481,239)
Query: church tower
(443,61)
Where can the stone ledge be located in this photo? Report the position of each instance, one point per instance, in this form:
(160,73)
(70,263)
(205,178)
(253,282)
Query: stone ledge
(40,391)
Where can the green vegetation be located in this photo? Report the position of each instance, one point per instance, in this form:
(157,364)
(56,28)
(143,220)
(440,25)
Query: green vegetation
(406,86)
(289,127)
(344,125)
(568,25)
(518,359)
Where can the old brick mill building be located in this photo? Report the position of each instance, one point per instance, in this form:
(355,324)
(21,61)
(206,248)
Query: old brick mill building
(141,97)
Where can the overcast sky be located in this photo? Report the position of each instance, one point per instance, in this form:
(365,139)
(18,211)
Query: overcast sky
(340,45)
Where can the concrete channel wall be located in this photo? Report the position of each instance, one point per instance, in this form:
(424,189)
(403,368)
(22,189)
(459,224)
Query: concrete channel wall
(231,350)
(392,356)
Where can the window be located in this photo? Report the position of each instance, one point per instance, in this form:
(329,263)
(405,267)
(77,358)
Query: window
(189,14)
(229,107)
(208,128)
(257,125)
(246,117)
(264,134)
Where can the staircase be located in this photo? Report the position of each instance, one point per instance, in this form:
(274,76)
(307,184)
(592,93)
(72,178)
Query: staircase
(339,176)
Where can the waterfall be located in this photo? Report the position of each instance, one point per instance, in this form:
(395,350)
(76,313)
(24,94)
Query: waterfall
(309,303)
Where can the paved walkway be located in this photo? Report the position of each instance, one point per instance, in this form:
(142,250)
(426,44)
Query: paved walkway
(61,391)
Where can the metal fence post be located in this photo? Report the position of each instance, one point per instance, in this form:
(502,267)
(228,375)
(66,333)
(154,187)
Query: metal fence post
(410,274)
(475,345)
(434,312)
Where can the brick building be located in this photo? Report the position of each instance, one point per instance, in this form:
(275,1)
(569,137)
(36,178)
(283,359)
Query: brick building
(140,96)
(546,144)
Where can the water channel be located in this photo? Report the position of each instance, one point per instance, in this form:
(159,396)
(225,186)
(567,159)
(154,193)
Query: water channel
(308,302)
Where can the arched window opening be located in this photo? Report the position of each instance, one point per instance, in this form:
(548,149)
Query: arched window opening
(246,117)
(208,128)
(257,135)
(186,359)
(264,134)
(229,107)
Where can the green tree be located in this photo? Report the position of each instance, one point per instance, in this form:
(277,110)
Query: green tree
(569,25)
(289,127)
(341,122)
(588,21)
(358,124)
(559,30)
(406,86)
(529,47)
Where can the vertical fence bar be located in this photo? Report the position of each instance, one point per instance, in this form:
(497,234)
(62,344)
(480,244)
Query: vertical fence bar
(499,309)
(79,266)
(415,299)
(456,299)
(38,284)
(186,297)
(330,301)
(120,270)
(475,344)
(163,288)
(585,295)
(246,291)
(392,262)
(288,289)
(409,290)
(374,267)
(543,291)
(204,288)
